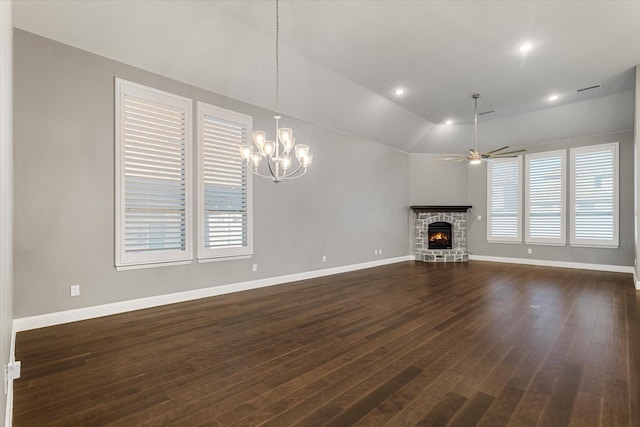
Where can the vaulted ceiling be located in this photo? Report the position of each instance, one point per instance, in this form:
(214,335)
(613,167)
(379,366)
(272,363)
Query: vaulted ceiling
(341,61)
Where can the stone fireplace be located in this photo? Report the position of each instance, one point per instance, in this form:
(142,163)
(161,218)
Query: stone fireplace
(441,233)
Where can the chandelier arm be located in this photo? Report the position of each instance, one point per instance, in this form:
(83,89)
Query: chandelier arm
(277,141)
(255,172)
(271,169)
(290,176)
(294,172)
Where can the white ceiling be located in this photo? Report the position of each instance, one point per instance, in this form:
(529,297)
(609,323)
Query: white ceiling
(342,59)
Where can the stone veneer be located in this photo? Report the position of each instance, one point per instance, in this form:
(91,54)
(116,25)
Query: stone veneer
(458,253)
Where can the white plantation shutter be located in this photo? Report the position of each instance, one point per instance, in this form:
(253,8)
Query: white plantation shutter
(504,200)
(594,195)
(224,219)
(152,179)
(545,198)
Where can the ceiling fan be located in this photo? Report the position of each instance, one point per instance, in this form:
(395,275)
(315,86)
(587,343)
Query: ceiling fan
(475,157)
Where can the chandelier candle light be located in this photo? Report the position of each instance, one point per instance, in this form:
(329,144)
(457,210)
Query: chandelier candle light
(277,154)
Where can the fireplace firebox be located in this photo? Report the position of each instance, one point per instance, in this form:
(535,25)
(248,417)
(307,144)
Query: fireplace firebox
(439,235)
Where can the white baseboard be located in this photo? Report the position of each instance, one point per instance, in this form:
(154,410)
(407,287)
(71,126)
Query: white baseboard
(58,318)
(636,283)
(8,420)
(563,264)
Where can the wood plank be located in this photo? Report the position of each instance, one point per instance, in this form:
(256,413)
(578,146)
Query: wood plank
(474,409)
(442,412)
(558,411)
(501,408)
(370,401)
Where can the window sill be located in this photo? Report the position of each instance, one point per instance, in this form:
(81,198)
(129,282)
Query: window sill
(151,265)
(536,243)
(594,246)
(224,258)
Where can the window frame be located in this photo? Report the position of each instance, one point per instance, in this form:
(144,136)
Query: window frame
(504,239)
(208,254)
(124,260)
(559,241)
(597,243)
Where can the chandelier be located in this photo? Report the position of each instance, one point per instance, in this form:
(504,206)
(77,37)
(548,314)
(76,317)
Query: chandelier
(277,154)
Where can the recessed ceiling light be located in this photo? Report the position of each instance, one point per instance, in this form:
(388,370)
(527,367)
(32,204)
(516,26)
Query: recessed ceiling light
(525,47)
(448,122)
(553,98)
(399,91)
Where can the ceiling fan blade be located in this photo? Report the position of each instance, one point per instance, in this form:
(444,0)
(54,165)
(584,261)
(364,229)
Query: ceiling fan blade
(509,152)
(453,155)
(497,149)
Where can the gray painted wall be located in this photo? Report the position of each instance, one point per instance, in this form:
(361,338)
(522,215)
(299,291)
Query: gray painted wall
(434,181)
(355,197)
(6,142)
(624,255)
(636,145)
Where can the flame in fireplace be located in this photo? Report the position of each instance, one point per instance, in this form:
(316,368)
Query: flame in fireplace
(439,237)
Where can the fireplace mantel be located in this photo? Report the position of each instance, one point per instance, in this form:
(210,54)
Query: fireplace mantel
(459,208)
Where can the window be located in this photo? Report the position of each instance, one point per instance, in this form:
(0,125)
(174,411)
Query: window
(545,198)
(504,198)
(594,196)
(152,139)
(224,184)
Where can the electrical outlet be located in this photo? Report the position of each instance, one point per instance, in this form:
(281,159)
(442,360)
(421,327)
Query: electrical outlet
(255,267)
(11,372)
(529,251)
(75,290)
(324,258)
(375,252)
(479,217)
(379,251)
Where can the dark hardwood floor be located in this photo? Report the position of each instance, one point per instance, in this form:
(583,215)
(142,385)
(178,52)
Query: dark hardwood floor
(406,344)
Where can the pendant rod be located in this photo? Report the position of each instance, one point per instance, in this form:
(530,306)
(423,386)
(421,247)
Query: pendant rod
(475,97)
(277,58)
